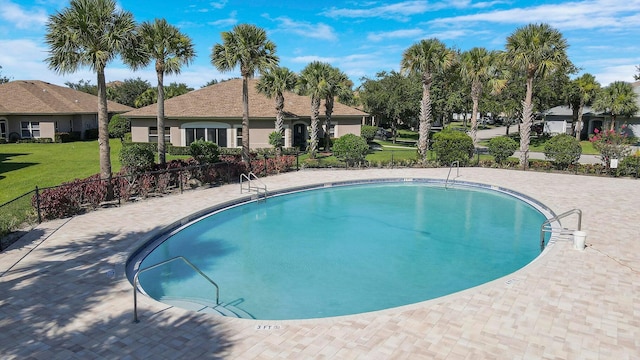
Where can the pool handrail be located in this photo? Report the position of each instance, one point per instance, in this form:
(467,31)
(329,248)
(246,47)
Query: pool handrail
(179,257)
(557,218)
(249,178)
(457,164)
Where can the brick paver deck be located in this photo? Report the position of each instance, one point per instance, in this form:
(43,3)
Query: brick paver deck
(65,294)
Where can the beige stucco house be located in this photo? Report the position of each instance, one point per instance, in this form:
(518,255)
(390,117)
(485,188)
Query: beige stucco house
(37,109)
(214,113)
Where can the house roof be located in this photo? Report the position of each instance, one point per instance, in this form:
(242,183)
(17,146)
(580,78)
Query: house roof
(33,97)
(224,100)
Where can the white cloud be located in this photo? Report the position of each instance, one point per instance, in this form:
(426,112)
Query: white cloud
(570,15)
(305,29)
(397,34)
(219,4)
(22,18)
(609,74)
(400,11)
(230,21)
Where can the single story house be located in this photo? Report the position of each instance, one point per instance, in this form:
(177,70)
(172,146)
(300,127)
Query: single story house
(559,120)
(37,109)
(214,113)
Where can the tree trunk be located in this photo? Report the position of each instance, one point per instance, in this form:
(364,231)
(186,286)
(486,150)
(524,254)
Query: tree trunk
(475,96)
(245,121)
(279,125)
(327,123)
(527,121)
(103,134)
(313,143)
(160,124)
(425,117)
(578,127)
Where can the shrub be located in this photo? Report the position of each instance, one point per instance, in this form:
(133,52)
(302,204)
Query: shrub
(205,152)
(178,150)
(119,126)
(453,146)
(350,148)
(611,144)
(501,148)
(276,140)
(136,157)
(630,165)
(368,132)
(91,134)
(563,150)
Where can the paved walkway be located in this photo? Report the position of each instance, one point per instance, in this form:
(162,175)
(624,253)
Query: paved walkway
(65,294)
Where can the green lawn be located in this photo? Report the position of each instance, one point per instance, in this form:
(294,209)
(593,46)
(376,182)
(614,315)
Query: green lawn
(23,166)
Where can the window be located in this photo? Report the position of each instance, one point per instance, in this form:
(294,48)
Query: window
(153,134)
(3,129)
(29,129)
(216,135)
(238,137)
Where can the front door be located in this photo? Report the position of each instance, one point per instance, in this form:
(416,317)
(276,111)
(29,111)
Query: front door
(3,129)
(300,136)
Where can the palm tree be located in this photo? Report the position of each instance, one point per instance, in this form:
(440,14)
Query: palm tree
(247,47)
(426,58)
(274,83)
(310,83)
(335,85)
(616,99)
(535,50)
(91,33)
(170,49)
(586,89)
(477,67)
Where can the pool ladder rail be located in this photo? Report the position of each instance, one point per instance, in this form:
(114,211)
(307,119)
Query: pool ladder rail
(250,183)
(189,263)
(562,233)
(457,165)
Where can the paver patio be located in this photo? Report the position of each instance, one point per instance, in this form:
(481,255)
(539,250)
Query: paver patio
(65,294)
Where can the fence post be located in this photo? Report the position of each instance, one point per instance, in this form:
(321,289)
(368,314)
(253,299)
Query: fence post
(180,180)
(297,160)
(38,205)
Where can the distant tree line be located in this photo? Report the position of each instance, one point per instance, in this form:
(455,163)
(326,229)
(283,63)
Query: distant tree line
(131,92)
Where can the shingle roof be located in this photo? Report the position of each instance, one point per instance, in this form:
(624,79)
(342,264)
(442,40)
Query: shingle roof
(224,101)
(33,97)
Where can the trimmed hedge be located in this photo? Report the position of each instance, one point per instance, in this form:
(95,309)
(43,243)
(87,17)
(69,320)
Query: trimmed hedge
(452,146)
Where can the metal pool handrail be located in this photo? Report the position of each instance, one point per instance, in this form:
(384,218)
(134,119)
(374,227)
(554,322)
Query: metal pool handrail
(249,178)
(556,218)
(457,164)
(135,282)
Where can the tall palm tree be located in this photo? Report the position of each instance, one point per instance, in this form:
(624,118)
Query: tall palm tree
(311,83)
(274,83)
(477,67)
(586,89)
(335,85)
(170,49)
(535,50)
(617,99)
(426,58)
(248,48)
(91,33)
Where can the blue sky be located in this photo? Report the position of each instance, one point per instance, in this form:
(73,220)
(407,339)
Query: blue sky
(361,38)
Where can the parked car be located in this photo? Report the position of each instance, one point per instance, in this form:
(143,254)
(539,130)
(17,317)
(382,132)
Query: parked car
(383,134)
(487,121)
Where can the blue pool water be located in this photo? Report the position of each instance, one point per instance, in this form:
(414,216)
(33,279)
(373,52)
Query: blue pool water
(348,249)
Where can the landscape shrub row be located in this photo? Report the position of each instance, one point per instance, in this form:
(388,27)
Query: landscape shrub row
(80,195)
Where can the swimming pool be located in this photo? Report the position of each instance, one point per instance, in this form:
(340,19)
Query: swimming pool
(345,249)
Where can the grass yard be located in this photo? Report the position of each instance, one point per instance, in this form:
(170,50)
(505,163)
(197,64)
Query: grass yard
(23,166)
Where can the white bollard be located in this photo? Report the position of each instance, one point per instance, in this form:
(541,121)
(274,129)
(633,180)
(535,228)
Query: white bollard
(578,239)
